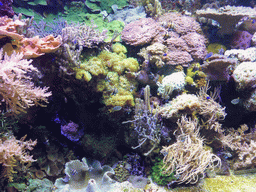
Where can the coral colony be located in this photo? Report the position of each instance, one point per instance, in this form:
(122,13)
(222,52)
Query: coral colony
(127,95)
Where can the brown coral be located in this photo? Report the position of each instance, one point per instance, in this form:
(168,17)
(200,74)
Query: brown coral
(217,67)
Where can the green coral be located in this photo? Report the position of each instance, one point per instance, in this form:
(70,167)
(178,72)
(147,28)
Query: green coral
(158,176)
(105,5)
(215,48)
(121,173)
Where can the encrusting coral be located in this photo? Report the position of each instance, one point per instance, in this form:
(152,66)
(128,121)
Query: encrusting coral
(227,16)
(17,90)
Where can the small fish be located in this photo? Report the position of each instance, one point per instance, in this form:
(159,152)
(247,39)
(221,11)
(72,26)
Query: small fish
(108,79)
(114,91)
(165,54)
(75,41)
(208,55)
(235,101)
(253,21)
(1,4)
(116,108)
(221,51)
(208,97)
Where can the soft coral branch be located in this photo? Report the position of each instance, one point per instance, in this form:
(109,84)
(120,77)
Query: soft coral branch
(17,90)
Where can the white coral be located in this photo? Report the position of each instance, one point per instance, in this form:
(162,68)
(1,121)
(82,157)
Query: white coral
(175,81)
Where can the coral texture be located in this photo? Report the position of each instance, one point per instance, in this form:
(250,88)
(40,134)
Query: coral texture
(16,88)
(179,41)
(241,40)
(85,176)
(245,75)
(218,67)
(187,157)
(140,32)
(227,16)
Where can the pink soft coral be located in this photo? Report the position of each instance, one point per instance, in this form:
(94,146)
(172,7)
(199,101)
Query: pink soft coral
(17,90)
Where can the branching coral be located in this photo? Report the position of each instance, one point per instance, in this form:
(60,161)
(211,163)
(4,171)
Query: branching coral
(146,123)
(16,88)
(14,152)
(188,157)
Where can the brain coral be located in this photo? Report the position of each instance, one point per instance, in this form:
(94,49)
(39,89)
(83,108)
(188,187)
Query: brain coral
(245,75)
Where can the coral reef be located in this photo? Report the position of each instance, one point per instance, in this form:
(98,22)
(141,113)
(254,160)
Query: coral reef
(173,82)
(145,123)
(72,131)
(242,55)
(153,7)
(30,47)
(127,14)
(6,8)
(182,104)
(244,75)
(176,40)
(115,76)
(240,40)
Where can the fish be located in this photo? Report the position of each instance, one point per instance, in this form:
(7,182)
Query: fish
(235,101)
(208,55)
(117,108)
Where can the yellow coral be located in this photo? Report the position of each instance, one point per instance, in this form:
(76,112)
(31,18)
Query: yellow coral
(82,74)
(119,48)
(120,100)
(215,48)
(114,73)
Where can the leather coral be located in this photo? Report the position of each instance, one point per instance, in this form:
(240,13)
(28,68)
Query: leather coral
(30,47)
(17,91)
